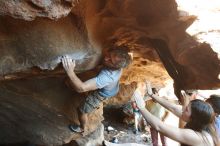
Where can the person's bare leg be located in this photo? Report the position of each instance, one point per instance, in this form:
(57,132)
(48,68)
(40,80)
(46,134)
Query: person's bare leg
(136,121)
(82,119)
(154,136)
(163,139)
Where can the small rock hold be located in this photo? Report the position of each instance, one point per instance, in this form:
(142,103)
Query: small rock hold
(42,4)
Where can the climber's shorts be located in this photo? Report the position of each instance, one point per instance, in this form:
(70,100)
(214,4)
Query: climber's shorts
(92,102)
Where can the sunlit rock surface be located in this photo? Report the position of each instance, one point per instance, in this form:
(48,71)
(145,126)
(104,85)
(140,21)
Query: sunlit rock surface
(35,34)
(206,27)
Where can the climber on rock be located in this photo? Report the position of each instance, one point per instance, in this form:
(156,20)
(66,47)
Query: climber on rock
(104,86)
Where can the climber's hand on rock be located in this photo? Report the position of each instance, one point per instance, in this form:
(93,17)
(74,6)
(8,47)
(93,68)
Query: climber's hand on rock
(68,63)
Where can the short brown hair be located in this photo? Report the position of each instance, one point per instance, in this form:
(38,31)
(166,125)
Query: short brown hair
(214,100)
(122,52)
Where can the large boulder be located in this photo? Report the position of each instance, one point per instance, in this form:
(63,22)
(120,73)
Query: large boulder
(29,10)
(36,104)
(39,110)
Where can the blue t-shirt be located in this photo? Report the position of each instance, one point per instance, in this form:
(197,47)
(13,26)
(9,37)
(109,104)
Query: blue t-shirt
(217,125)
(107,82)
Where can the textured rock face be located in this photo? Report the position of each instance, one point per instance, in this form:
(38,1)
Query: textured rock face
(39,111)
(150,26)
(29,10)
(34,98)
(94,139)
(41,43)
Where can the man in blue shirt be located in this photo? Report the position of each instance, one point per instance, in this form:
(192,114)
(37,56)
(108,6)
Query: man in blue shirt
(103,86)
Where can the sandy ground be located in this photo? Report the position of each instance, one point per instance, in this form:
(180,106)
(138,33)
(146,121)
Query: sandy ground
(124,133)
